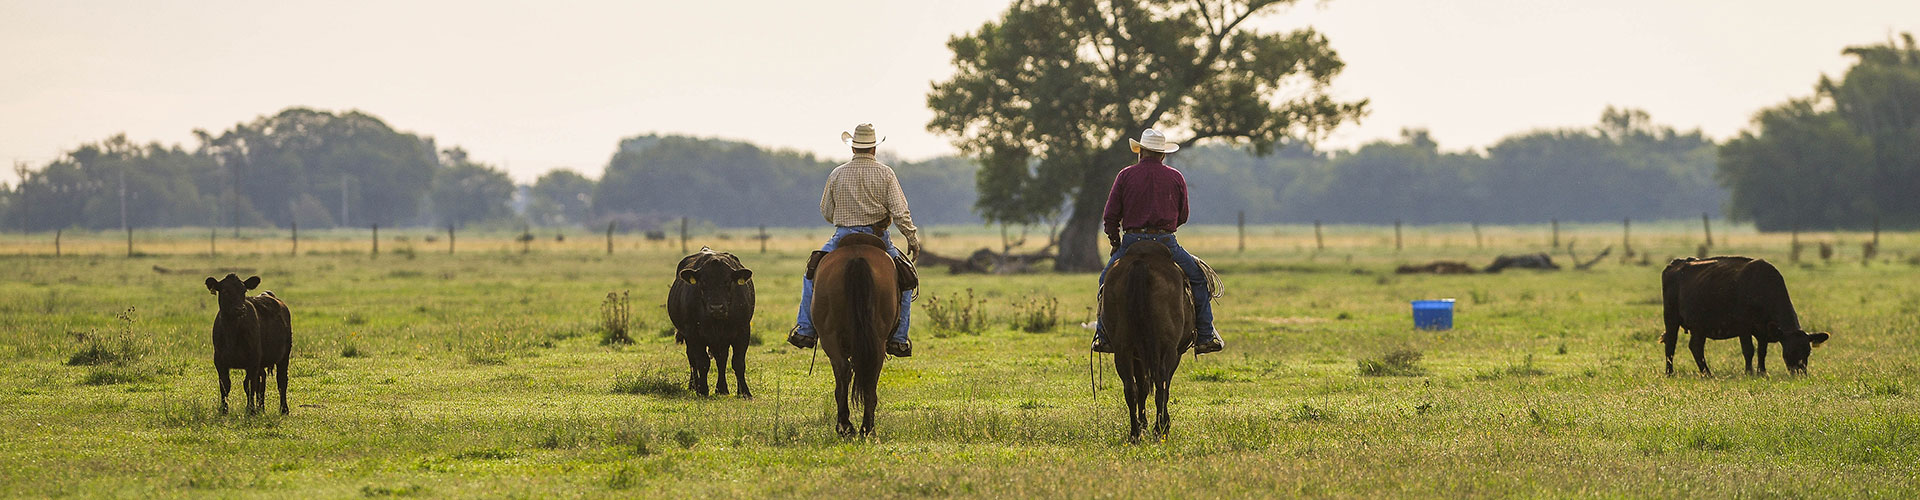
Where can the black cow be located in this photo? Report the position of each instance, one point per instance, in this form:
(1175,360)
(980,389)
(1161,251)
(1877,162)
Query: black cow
(711,305)
(253,334)
(1727,297)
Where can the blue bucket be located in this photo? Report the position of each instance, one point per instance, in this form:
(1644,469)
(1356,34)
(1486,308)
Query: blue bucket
(1433,314)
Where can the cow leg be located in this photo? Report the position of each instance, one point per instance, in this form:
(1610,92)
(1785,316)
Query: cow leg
(719,352)
(226,385)
(697,364)
(281,374)
(1698,344)
(1746,349)
(1671,339)
(1760,352)
(842,380)
(740,369)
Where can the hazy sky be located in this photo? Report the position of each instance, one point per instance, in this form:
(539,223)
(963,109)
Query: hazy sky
(533,86)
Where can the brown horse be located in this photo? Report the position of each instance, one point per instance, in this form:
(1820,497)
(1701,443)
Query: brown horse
(856,303)
(1149,316)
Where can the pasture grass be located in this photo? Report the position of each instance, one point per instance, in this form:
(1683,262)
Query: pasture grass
(485,374)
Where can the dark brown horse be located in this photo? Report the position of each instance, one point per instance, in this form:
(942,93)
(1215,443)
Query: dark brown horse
(856,303)
(1148,315)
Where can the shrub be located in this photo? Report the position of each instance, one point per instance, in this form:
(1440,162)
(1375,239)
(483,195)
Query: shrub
(956,315)
(615,319)
(120,347)
(1037,316)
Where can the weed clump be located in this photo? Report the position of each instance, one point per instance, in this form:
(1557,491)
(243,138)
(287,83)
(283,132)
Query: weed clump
(956,315)
(615,320)
(371,491)
(120,347)
(651,383)
(1396,363)
(1037,316)
(1307,413)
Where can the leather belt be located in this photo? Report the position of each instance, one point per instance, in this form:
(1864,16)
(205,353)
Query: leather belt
(1148,231)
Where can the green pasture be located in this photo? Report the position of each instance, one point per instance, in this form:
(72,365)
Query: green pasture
(486,373)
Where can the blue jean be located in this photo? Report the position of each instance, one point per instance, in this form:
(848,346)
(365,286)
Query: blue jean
(1202,299)
(806,289)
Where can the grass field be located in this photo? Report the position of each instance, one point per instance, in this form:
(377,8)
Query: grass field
(484,374)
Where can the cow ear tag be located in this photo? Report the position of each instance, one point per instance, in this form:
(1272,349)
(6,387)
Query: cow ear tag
(741,281)
(692,281)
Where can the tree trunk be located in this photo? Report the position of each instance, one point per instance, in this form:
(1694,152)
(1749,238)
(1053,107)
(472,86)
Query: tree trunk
(1080,239)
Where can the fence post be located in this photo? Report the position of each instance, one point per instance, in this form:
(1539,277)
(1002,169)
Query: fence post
(212,233)
(1243,231)
(1476,236)
(1626,237)
(449,239)
(526,239)
(1396,235)
(296,238)
(683,234)
(376,241)
(1707,225)
(1556,233)
(1319,244)
(56,242)
(610,237)
(763,238)
(129,241)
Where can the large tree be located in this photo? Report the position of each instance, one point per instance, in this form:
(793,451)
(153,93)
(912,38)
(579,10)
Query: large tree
(303,157)
(465,191)
(1843,158)
(1046,96)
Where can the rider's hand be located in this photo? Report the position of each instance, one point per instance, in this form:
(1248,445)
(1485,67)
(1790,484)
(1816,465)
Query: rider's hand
(913,252)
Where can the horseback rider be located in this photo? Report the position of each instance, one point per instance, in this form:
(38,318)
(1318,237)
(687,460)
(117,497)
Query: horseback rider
(1149,201)
(862,196)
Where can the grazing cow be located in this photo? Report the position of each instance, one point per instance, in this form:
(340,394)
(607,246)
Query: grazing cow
(856,291)
(253,334)
(711,305)
(1150,322)
(1727,297)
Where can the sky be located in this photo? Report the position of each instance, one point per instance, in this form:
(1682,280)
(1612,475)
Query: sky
(535,86)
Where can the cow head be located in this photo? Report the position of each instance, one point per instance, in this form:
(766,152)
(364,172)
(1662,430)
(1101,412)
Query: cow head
(717,286)
(232,291)
(1796,345)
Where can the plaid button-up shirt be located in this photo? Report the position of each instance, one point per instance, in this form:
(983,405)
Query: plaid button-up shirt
(864,191)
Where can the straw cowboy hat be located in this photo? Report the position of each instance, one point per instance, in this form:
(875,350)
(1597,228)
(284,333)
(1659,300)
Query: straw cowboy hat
(862,136)
(1152,140)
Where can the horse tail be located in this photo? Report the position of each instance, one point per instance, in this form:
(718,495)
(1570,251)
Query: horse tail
(1145,343)
(859,285)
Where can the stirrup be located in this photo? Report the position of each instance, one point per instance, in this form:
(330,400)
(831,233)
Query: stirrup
(801,341)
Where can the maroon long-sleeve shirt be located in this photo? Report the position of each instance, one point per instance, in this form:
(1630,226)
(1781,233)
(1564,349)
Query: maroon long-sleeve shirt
(1146,195)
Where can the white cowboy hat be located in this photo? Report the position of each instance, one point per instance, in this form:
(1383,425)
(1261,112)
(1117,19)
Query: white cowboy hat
(862,136)
(1152,140)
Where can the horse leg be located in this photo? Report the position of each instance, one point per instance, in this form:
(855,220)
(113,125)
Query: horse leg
(719,352)
(842,378)
(281,374)
(1746,349)
(226,385)
(740,369)
(1698,344)
(1165,422)
(867,386)
(697,363)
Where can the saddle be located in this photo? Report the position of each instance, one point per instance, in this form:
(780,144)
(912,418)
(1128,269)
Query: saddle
(903,271)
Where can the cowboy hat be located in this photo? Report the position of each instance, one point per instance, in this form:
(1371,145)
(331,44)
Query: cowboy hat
(1152,140)
(862,136)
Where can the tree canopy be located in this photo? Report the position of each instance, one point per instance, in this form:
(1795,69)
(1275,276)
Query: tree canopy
(1846,157)
(1046,96)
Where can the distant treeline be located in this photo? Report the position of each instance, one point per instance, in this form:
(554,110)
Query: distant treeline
(320,169)
(1848,157)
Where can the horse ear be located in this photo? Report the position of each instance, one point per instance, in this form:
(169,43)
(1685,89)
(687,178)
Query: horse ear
(252,281)
(687,275)
(1818,338)
(213,285)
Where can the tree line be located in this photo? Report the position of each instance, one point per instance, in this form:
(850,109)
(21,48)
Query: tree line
(1846,157)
